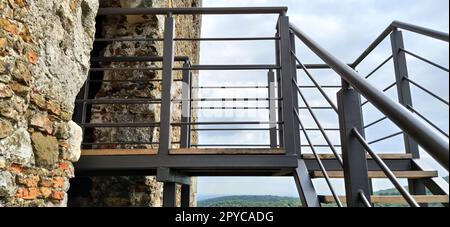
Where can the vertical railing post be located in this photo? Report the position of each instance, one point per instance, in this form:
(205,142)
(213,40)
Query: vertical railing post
(272,109)
(186,107)
(169,194)
(279,88)
(294,91)
(166,92)
(291,129)
(354,156)
(185,195)
(185,137)
(404,97)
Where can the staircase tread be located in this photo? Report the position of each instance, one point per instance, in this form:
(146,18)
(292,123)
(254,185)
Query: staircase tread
(118,152)
(231,151)
(394,199)
(380,174)
(184,151)
(392,156)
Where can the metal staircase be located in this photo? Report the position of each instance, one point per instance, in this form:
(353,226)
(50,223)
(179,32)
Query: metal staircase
(354,159)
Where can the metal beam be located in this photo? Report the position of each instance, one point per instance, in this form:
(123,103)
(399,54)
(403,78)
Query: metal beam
(185,195)
(305,187)
(169,175)
(186,162)
(405,98)
(193,11)
(166,92)
(430,140)
(169,194)
(353,153)
(185,136)
(290,127)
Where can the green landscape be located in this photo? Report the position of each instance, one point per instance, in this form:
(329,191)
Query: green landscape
(279,201)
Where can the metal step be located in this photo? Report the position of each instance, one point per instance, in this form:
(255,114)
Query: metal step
(393,199)
(397,156)
(380,174)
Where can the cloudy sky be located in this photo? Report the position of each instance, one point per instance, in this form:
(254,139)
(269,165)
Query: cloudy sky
(345,28)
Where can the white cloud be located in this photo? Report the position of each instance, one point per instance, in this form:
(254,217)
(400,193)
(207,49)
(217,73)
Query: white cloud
(345,28)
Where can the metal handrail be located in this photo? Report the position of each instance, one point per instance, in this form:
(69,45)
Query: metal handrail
(386,170)
(193,11)
(400,25)
(432,142)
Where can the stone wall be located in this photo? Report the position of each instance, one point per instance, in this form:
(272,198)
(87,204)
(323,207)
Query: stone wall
(136,191)
(44,59)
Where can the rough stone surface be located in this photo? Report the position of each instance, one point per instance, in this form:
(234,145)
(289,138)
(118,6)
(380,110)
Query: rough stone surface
(46,149)
(7,186)
(73,151)
(17,148)
(44,59)
(137,191)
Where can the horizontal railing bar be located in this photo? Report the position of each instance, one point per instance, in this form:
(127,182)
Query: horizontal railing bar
(228,67)
(126,69)
(422,133)
(119,101)
(124,81)
(425,60)
(257,87)
(229,39)
(230,108)
(379,67)
(255,129)
(119,125)
(386,137)
(254,108)
(427,91)
(186,39)
(192,11)
(228,123)
(322,86)
(119,143)
(136,59)
(316,120)
(375,122)
(385,169)
(138,125)
(428,121)
(422,30)
(230,145)
(229,87)
(226,99)
(193,67)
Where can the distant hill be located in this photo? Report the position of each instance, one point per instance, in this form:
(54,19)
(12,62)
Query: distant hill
(250,201)
(275,201)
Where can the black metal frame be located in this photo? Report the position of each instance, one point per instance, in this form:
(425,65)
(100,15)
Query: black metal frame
(285,124)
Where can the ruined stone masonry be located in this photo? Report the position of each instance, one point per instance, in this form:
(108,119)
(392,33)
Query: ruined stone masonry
(45,46)
(44,60)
